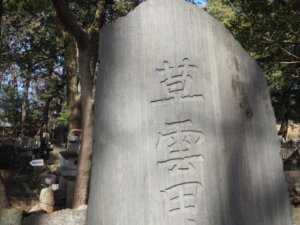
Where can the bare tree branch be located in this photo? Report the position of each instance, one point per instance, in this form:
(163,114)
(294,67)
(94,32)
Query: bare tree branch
(282,48)
(70,24)
(289,53)
(269,40)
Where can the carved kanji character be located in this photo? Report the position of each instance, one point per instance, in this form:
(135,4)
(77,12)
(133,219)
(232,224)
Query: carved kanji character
(177,82)
(178,147)
(183,199)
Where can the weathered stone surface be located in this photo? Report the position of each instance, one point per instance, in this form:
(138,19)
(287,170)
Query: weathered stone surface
(184,129)
(11,217)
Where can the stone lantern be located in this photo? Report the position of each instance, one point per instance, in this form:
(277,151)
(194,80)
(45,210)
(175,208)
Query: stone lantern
(69,167)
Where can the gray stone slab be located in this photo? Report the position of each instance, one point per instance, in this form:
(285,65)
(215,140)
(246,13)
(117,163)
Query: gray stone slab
(184,128)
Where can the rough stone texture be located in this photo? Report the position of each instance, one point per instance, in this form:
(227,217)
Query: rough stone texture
(10,217)
(62,217)
(184,128)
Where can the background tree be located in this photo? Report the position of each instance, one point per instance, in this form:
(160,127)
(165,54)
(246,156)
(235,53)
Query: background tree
(4,203)
(33,54)
(84,27)
(269,31)
(1,48)
(73,93)
(84,49)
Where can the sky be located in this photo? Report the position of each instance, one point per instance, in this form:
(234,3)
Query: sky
(200,2)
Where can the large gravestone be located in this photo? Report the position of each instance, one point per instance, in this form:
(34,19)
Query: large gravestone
(184,128)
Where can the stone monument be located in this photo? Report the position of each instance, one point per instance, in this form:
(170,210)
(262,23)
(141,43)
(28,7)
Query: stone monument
(184,127)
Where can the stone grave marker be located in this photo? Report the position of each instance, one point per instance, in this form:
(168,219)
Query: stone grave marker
(184,127)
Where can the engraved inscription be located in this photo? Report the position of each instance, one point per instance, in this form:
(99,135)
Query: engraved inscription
(177,83)
(178,147)
(179,153)
(183,199)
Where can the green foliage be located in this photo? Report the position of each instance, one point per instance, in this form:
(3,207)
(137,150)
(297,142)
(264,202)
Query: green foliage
(63,116)
(32,41)
(221,10)
(34,115)
(32,47)
(269,31)
(10,101)
(120,8)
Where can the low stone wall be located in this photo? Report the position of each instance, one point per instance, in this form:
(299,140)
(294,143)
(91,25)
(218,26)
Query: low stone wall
(62,217)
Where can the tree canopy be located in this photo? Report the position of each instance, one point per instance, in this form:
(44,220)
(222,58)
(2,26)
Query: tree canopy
(269,31)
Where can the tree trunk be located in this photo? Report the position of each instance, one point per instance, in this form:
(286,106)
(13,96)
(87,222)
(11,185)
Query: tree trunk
(73,99)
(99,21)
(1,69)
(24,105)
(45,118)
(44,124)
(87,101)
(1,14)
(1,75)
(285,108)
(284,128)
(85,154)
(4,203)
